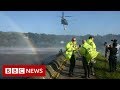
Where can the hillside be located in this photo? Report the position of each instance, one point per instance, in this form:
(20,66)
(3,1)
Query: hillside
(12,39)
(16,39)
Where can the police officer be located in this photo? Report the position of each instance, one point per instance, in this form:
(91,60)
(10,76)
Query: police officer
(90,41)
(84,49)
(71,49)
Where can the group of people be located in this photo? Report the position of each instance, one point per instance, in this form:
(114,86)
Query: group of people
(88,52)
(111,52)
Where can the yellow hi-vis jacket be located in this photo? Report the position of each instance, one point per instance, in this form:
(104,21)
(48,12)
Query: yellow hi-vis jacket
(87,51)
(91,42)
(70,47)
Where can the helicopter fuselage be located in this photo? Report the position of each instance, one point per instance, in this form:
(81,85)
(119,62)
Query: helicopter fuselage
(64,21)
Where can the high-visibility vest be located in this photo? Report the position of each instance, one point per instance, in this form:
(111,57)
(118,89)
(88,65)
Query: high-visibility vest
(94,53)
(91,42)
(87,51)
(70,47)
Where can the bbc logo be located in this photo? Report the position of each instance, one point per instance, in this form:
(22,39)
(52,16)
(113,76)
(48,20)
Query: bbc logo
(23,70)
(14,70)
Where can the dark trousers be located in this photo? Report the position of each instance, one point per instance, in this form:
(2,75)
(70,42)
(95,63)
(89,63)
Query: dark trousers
(91,68)
(86,67)
(72,64)
(112,63)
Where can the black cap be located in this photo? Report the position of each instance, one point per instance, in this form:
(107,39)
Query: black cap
(91,37)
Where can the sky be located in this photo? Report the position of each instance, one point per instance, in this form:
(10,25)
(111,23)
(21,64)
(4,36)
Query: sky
(49,22)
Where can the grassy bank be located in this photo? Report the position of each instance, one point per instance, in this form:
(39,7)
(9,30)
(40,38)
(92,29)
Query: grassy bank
(102,69)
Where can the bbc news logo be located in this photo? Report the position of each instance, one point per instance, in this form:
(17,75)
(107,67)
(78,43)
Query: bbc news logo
(23,70)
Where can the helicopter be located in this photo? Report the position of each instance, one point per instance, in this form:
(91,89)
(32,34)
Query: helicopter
(64,21)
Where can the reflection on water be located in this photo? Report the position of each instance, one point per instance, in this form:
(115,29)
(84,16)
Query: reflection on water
(27,50)
(25,55)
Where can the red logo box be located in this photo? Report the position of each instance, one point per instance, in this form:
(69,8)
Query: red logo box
(23,70)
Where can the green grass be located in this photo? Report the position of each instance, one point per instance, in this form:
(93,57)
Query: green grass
(102,69)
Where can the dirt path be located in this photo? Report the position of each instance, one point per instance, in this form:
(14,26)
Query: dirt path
(78,71)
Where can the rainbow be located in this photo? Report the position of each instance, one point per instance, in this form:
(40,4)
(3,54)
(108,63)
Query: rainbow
(16,28)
